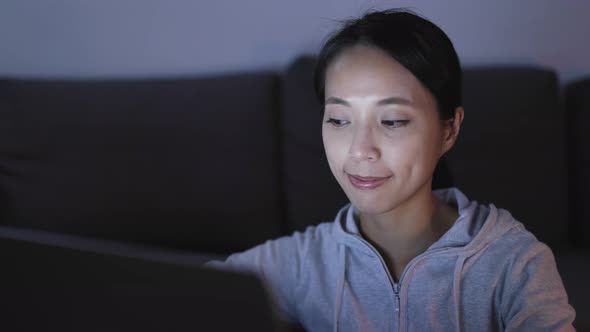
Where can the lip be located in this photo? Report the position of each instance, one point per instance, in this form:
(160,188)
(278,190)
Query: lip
(367,182)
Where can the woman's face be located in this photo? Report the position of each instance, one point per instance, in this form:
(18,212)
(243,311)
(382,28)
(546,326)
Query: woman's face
(381,130)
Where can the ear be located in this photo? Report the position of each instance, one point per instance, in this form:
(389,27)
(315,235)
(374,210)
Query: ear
(451,129)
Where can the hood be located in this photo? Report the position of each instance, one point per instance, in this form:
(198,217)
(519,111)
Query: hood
(475,220)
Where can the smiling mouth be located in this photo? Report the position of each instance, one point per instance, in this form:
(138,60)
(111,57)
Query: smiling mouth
(367,182)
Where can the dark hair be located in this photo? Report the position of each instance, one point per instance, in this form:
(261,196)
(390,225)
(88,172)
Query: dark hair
(414,42)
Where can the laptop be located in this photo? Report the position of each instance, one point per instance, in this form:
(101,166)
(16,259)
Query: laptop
(54,282)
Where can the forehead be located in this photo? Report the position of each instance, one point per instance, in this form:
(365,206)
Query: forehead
(363,70)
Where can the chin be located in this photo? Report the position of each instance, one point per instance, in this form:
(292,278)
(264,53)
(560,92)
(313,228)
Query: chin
(373,209)
(372,205)
(380,201)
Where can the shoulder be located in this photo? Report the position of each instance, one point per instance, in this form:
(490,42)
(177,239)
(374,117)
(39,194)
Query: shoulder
(288,251)
(526,258)
(282,263)
(505,248)
(529,278)
(506,240)
(312,238)
(533,296)
(518,242)
(525,274)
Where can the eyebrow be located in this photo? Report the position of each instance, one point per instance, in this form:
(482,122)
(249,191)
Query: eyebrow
(382,102)
(336,101)
(394,101)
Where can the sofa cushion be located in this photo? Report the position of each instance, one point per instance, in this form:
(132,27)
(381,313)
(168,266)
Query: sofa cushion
(312,194)
(184,163)
(574,268)
(510,151)
(577,96)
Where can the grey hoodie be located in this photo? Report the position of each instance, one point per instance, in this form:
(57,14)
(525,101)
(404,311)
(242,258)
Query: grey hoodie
(486,273)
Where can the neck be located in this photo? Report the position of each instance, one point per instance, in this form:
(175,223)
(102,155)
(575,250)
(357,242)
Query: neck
(408,230)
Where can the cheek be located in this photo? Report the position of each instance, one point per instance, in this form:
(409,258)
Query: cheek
(428,138)
(433,142)
(412,154)
(335,147)
(402,157)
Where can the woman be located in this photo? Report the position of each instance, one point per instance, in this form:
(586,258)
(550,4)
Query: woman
(401,257)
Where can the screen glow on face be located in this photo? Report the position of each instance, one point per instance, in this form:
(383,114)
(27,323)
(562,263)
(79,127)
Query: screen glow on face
(381,130)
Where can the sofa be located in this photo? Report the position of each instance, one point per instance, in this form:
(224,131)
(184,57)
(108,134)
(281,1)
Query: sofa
(205,166)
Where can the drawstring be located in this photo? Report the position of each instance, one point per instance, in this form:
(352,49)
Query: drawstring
(457,289)
(472,252)
(340,289)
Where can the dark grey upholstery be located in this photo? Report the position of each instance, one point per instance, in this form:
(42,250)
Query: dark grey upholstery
(578,125)
(186,163)
(74,154)
(574,268)
(313,195)
(510,151)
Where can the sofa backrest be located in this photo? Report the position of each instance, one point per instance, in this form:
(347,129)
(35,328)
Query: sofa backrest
(312,194)
(511,149)
(577,96)
(183,163)
(223,163)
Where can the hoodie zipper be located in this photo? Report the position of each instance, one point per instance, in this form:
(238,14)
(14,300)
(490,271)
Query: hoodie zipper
(396,286)
(397,302)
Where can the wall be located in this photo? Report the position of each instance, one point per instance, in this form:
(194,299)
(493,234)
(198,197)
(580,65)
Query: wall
(88,38)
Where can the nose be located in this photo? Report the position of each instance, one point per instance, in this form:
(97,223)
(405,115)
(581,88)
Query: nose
(363,146)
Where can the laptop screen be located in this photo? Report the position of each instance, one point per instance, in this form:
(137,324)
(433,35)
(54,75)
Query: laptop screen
(61,283)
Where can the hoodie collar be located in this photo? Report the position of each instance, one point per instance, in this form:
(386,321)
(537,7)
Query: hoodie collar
(472,217)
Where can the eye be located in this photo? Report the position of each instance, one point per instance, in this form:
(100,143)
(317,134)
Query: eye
(337,122)
(395,123)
